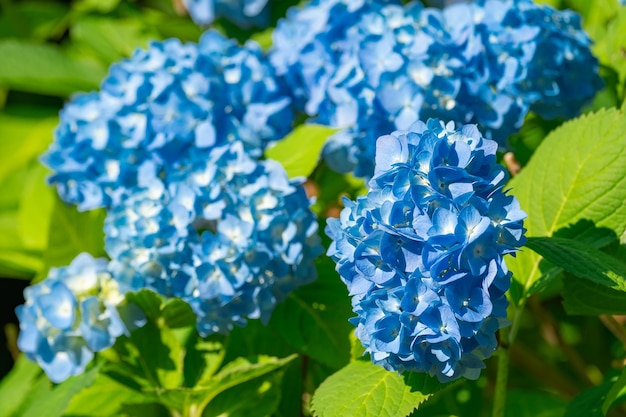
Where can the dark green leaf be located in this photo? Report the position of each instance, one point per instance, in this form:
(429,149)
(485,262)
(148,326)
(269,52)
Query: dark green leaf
(314,318)
(258,397)
(584,297)
(582,260)
(594,402)
(300,151)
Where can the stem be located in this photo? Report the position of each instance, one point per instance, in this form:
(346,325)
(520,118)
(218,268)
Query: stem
(499,399)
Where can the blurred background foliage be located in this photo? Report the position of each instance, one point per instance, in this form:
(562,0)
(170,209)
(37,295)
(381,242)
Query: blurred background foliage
(51,50)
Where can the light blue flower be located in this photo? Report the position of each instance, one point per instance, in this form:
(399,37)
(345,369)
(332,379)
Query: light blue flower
(422,252)
(76,311)
(244,13)
(157,108)
(370,67)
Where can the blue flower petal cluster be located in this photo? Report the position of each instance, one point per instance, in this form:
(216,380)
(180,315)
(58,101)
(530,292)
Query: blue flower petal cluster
(372,66)
(244,13)
(422,252)
(158,107)
(76,311)
(231,235)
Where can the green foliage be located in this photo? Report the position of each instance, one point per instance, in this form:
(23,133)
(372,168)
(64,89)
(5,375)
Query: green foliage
(72,232)
(534,404)
(16,386)
(570,178)
(53,401)
(43,68)
(363,389)
(582,260)
(300,151)
(314,318)
(596,401)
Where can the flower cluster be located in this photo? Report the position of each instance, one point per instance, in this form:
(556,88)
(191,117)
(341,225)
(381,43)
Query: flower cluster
(76,311)
(159,106)
(170,147)
(242,12)
(231,236)
(372,66)
(422,252)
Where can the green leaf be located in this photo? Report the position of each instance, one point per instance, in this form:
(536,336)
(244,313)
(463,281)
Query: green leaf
(363,389)
(34,20)
(45,69)
(611,47)
(314,318)
(22,138)
(112,39)
(35,213)
(53,402)
(177,313)
(581,260)
(300,151)
(576,174)
(594,402)
(104,398)
(17,385)
(584,297)
(233,374)
(72,232)
(258,397)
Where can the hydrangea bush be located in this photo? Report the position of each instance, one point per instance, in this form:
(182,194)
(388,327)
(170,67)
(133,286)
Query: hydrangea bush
(176,252)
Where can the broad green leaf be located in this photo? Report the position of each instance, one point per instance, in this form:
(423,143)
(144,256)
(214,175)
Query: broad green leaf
(582,260)
(300,151)
(35,213)
(314,318)
(258,397)
(72,232)
(576,174)
(584,297)
(17,385)
(177,313)
(112,39)
(104,398)
(233,374)
(54,402)
(363,389)
(22,138)
(45,69)
(203,358)
(533,404)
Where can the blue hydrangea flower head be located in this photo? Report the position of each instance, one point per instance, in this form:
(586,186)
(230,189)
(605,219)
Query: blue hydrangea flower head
(244,13)
(422,254)
(231,235)
(159,106)
(76,311)
(371,67)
